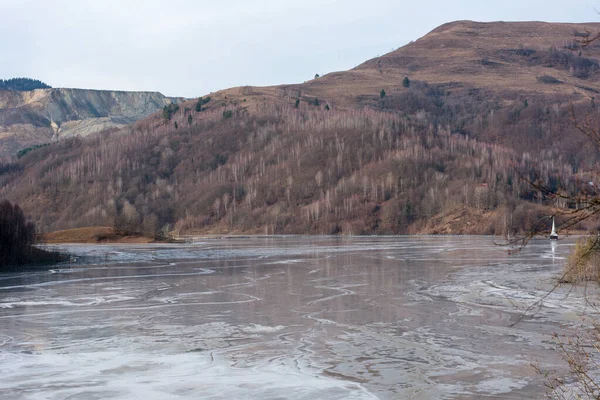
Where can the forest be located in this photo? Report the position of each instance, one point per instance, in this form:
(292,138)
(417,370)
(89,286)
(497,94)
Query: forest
(278,169)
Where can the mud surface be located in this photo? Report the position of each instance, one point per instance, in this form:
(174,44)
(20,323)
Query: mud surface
(286,318)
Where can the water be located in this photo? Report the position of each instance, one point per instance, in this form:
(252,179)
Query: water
(286,318)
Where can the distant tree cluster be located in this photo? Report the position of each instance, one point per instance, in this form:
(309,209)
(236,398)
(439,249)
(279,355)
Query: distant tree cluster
(23,152)
(201,101)
(169,110)
(22,84)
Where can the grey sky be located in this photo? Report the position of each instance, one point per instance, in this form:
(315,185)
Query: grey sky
(192,47)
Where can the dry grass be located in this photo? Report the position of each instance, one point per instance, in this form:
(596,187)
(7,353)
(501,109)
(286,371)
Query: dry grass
(584,262)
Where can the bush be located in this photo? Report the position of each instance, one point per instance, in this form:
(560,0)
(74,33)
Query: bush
(227,114)
(584,262)
(406,82)
(382,94)
(548,79)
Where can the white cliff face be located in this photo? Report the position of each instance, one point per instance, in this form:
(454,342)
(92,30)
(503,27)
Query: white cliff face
(42,115)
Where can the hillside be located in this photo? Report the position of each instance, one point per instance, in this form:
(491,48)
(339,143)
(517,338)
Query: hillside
(40,116)
(443,151)
(509,83)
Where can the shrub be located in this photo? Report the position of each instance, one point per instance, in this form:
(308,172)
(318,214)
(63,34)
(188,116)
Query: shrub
(584,262)
(297,103)
(382,94)
(227,114)
(406,82)
(317,76)
(548,79)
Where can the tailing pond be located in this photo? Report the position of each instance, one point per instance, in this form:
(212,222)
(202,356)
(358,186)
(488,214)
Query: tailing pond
(286,318)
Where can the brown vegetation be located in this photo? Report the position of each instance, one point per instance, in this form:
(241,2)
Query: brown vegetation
(468,111)
(274,170)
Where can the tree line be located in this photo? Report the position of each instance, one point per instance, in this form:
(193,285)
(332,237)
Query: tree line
(22,84)
(17,236)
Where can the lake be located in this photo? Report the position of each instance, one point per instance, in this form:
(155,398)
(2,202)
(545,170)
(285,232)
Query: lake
(287,318)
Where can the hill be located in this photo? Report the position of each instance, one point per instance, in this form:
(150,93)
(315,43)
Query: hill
(467,111)
(40,116)
(508,83)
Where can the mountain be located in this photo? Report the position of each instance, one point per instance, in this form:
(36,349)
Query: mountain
(434,137)
(40,116)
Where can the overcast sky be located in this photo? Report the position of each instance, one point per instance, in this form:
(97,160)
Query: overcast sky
(192,47)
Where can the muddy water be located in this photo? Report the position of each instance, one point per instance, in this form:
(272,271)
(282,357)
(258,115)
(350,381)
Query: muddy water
(285,318)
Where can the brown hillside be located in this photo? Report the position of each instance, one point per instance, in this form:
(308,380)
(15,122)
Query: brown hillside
(484,105)
(503,82)
(507,58)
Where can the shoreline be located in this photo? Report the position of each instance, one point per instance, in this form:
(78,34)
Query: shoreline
(106,235)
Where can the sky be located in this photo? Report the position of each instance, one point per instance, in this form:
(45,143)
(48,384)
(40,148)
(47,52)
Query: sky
(193,47)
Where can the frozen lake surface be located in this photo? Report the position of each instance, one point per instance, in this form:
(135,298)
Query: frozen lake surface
(286,318)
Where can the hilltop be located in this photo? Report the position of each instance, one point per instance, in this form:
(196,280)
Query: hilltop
(22,84)
(433,137)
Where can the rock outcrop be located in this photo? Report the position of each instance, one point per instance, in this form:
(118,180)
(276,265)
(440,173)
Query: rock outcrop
(40,116)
